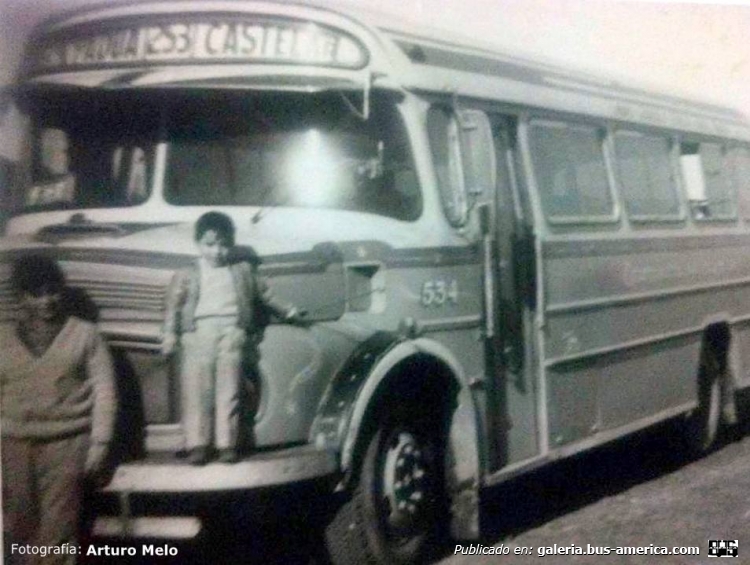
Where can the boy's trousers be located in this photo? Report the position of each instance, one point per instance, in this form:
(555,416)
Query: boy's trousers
(212,363)
(42,491)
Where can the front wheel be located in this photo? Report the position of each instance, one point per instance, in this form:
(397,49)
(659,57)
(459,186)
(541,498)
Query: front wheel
(394,509)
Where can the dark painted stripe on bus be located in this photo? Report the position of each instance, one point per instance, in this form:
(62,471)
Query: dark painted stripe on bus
(422,54)
(432,257)
(635,245)
(165,261)
(316,260)
(131,258)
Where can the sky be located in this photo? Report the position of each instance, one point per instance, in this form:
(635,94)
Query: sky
(699,50)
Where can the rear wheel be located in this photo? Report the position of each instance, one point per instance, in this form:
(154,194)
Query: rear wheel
(394,509)
(702,425)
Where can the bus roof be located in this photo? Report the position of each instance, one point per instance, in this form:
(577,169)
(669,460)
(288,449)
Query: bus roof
(407,55)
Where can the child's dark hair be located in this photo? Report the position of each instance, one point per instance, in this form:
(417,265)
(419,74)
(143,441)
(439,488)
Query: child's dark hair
(32,274)
(218,222)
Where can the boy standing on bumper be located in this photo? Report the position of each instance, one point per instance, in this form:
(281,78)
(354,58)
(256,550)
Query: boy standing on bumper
(214,308)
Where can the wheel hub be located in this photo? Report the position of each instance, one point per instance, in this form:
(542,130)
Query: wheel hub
(405,484)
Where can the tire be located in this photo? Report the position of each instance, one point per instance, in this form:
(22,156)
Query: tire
(393,512)
(702,425)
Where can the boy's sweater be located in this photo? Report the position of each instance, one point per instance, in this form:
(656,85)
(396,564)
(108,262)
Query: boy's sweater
(69,389)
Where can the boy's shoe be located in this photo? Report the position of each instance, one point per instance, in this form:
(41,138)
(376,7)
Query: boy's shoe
(228,456)
(198,456)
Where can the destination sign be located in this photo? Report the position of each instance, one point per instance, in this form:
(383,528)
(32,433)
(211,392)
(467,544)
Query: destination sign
(281,41)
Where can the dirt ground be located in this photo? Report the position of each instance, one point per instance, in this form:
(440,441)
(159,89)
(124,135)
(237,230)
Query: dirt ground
(640,492)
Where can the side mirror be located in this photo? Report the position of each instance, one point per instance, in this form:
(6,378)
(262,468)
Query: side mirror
(464,159)
(477,154)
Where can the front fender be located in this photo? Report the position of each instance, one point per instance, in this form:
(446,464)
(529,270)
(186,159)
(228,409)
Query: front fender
(343,414)
(329,429)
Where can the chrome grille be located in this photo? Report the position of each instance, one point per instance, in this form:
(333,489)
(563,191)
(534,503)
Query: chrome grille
(123,296)
(133,292)
(130,303)
(121,287)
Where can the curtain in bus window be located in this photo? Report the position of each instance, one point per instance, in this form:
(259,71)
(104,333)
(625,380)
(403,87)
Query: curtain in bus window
(85,173)
(570,172)
(645,175)
(720,193)
(738,162)
(87,149)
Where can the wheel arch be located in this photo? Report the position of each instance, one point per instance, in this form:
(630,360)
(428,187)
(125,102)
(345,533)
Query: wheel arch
(410,369)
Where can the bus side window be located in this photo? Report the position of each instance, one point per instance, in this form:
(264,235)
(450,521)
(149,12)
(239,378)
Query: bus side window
(708,181)
(571,173)
(646,177)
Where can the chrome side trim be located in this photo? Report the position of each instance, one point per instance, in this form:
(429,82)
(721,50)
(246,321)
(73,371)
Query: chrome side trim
(650,340)
(446,324)
(598,439)
(591,304)
(615,433)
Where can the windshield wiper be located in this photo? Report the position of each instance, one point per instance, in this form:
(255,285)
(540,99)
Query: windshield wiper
(265,208)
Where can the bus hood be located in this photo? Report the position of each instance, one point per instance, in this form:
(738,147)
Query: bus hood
(269,231)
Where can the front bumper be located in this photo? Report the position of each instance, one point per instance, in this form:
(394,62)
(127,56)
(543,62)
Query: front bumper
(167,475)
(260,470)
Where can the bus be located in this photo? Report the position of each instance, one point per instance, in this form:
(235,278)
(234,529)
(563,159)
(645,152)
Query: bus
(503,263)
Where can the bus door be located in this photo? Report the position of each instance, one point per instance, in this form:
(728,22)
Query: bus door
(476,172)
(515,396)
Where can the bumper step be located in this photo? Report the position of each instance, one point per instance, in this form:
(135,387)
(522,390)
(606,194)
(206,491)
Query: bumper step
(172,475)
(172,527)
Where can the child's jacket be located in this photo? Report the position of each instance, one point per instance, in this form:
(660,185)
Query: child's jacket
(254,299)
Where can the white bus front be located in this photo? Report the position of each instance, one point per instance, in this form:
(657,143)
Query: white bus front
(142,118)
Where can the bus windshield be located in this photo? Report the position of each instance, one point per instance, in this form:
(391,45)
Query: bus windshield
(224,148)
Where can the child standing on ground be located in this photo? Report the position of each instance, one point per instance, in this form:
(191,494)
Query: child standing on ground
(59,404)
(214,309)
